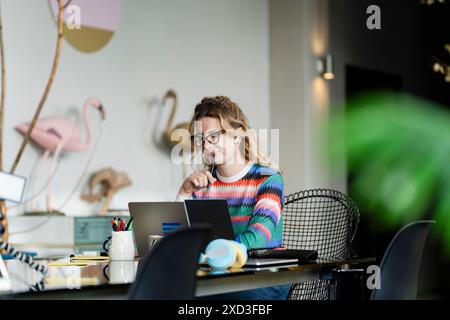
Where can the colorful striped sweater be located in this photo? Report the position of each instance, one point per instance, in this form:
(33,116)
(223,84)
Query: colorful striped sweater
(255,199)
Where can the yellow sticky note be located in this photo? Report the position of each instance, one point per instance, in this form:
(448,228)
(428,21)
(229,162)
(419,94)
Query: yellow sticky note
(68,264)
(89,258)
(73,281)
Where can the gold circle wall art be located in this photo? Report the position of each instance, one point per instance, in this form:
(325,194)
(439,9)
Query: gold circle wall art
(88,24)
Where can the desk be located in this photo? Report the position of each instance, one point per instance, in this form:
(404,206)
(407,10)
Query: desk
(111,280)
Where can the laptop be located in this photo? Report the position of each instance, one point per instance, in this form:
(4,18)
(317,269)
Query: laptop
(155,218)
(266,262)
(215,212)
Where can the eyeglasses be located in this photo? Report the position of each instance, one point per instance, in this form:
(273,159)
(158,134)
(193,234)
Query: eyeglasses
(212,138)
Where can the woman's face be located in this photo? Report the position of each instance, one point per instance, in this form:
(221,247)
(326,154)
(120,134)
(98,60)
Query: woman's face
(221,146)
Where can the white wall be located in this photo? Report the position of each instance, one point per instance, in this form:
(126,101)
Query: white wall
(300,99)
(198,47)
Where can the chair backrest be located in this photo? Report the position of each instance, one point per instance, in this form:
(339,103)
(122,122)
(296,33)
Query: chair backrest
(320,219)
(168,271)
(399,269)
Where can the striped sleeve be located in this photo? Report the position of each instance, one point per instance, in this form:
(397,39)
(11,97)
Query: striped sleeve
(264,229)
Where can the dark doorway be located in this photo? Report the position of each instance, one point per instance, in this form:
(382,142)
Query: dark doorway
(360,80)
(369,241)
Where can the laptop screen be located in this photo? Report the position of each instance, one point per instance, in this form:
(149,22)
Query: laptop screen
(155,218)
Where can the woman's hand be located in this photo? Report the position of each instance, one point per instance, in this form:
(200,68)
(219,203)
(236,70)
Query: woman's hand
(198,180)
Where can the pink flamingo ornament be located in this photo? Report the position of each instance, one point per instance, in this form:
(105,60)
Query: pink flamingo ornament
(56,134)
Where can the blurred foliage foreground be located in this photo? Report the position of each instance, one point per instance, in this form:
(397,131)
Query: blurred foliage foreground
(397,149)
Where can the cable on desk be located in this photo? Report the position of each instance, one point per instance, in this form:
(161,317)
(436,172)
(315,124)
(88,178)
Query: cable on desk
(38,286)
(27,259)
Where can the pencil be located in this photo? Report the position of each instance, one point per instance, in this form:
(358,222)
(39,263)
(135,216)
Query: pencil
(212,165)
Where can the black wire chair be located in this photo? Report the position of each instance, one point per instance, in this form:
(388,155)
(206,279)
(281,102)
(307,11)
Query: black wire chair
(319,219)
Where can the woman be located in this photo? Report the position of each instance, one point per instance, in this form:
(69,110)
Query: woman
(254,190)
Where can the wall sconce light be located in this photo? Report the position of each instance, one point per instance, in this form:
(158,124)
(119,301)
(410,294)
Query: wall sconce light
(325,67)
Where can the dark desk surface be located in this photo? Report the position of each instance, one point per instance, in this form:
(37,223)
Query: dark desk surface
(111,279)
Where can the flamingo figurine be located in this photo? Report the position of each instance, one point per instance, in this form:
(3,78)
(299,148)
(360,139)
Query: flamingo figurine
(57,134)
(184,143)
(171,94)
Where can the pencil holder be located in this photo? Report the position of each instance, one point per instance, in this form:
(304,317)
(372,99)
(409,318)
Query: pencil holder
(122,246)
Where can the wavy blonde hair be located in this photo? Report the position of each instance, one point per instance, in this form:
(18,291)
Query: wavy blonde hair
(231,116)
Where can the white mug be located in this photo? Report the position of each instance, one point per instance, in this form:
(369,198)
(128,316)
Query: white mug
(153,240)
(122,246)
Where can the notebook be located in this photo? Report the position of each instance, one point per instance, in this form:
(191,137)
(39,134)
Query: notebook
(279,257)
(265,262)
